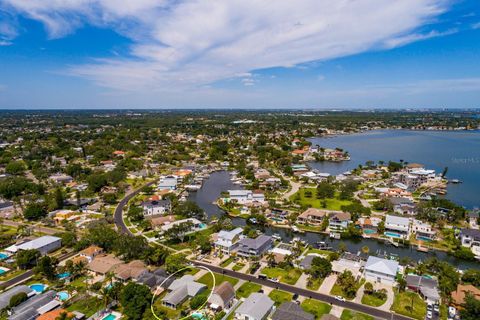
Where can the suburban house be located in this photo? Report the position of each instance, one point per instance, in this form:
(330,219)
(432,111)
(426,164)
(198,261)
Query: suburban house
(349,261)
(423,230)
(182,289)
(7,209)
(247,196)
(132,270)
(168,183)
(458,296)
(227,240)
(249,247)
(312,216)
(35,306)
(381,270)
(7,295)
(45,244)
(403,206)
(197,225)
(291,311)
(59,216)
(338,221)
(60,178)
(472,219)
(369,225)
(427,287)
(256,307)
(155,279)
(104,263)
(397,227)
(156,207)
(223,296)
(470,237)
(90,253)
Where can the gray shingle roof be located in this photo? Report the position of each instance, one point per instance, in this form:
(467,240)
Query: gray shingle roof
(256,306)
(291,311)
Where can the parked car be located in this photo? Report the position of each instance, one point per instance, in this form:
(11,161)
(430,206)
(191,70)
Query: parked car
(340,298)
(452,312)
(436,308)
(429,314)
(274,279)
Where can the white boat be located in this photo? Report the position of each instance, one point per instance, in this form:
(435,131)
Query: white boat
(276,236)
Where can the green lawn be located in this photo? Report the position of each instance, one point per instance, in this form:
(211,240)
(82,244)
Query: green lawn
(247,288)
(332,204)
(371,300)
(88,306)
(226,262)
(239,266)
(316,307)
(286,276)
(219,278)
(314,284)
(338,291)
(405,300)
(192,271)
(279,296)
(352,315)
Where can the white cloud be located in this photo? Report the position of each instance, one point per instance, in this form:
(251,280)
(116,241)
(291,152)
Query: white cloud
(192,43)
(406,39)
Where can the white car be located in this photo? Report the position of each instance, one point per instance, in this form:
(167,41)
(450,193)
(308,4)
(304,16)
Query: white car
(340,298)
(451,312)
(274,280)
(429,315)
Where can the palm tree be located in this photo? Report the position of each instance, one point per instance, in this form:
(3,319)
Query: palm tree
(270,259)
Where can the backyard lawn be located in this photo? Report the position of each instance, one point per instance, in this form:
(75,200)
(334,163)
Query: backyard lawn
(279,296)
(405,300)
(247,288)
(239,266)
(316,307)
(352,315)
(289,276)
(219,278)
(88,306)
(332,204)
(226,262)
(314,284)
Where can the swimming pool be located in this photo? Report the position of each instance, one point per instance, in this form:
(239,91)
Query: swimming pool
(198,316)
(63,275)
(63,296)
(423,238)
(110,316)
(369,231)
(3,256)
(2,271)
(38,287)
(202,225)
(392,234)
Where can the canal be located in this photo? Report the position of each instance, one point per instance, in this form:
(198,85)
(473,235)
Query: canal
(220,181)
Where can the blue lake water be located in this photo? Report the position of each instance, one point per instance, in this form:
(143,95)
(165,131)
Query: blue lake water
(457,150)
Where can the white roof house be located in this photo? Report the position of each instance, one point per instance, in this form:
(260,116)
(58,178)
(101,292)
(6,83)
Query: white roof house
(43,244)
(226,240)
(397,223)
(381,270)
(256,307)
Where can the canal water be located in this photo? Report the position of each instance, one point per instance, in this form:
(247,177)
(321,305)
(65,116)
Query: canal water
(457,150)
(220,181)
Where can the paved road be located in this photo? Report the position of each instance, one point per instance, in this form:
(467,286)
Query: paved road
(118,214)
(46,230)
(307,293)
(24,276)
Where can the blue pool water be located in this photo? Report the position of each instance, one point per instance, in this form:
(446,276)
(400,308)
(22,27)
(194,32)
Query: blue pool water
(38,287)
(110,317)
(202,225)
(2,271)
(423,238)
(63,275)
(198,315)
(392,234)
(63,295)
(3,256)
(369,231)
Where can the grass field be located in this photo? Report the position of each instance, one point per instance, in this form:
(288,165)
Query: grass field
(314,284)
(405,300)
(219,278)
(373,301)
(332,203)
(286,276)
(226,262)
(247,288)
(87,306)
(279,296)
(338,291)
(352,315)
(316,307)
(239,266)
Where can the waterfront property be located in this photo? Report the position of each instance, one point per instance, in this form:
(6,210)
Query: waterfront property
(381,270)
(168,183)
(197,225)
(423,230)
(339,221)
(312,216)
(426,286)
(247,197)
(397,227)
(228,240)
(249,247)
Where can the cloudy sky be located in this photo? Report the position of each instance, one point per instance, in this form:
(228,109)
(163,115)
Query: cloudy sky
(239,53)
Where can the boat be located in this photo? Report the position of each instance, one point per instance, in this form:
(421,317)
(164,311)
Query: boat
(297,230)
(455,181)
(276,236)
(422,249)
(335,235)
(322,245)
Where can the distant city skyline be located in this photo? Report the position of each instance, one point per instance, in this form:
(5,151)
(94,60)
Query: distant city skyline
(308,54)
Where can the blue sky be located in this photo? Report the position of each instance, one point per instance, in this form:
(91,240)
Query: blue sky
(239,54)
